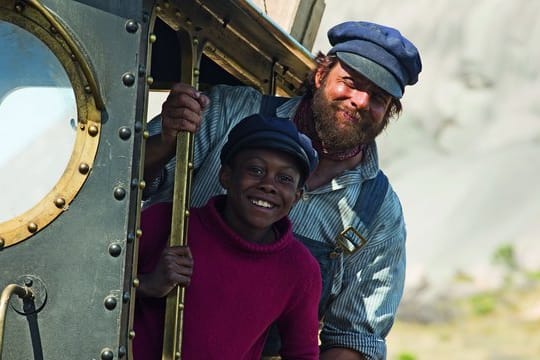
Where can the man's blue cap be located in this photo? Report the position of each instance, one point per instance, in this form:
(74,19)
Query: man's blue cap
(379,53)
(260,131)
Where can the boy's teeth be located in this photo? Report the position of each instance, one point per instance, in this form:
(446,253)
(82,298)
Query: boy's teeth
(262,203)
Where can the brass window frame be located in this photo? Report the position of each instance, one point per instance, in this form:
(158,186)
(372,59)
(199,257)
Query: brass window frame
(37,20)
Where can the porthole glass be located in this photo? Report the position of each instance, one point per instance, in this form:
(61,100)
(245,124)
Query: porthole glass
(38,115)
(50,119)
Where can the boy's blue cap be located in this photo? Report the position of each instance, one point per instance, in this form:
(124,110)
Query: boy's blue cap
(378,52)
(259,131)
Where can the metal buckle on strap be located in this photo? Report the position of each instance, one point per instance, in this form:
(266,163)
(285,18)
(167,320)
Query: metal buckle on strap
(350,240)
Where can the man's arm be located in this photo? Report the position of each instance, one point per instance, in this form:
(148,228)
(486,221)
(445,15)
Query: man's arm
(340,354)
(363,312)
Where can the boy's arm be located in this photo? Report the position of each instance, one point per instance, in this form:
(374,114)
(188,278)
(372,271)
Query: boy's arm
(299,325)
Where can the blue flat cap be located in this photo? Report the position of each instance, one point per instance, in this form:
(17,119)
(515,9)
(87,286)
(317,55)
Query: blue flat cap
(380,53)
(260,131)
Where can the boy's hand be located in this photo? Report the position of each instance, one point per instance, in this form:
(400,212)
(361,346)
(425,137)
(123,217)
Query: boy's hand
(175,267)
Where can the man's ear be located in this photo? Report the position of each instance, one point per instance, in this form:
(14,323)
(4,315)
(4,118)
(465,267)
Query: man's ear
(225,173)
(318,77)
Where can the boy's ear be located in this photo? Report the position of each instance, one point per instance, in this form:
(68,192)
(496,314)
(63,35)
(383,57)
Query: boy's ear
(298,194)
(225,173)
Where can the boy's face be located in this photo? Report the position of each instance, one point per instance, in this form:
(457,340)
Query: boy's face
(262,185)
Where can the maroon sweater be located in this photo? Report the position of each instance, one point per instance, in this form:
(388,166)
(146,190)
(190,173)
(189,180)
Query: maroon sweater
(238,289)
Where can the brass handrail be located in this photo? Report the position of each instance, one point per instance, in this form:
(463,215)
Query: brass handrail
(23,292)
(174,310)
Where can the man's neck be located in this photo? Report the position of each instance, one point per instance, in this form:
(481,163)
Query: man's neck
(327,169)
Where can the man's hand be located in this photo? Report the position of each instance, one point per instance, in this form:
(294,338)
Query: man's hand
(175,267)
(341,354)
(181,111)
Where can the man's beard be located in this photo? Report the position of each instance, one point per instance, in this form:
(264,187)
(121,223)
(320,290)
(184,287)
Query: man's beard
(357,128)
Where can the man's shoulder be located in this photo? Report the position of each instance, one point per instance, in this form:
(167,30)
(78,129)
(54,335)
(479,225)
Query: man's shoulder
(232,90)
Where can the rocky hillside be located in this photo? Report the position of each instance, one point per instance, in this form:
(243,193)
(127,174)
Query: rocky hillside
(464,156)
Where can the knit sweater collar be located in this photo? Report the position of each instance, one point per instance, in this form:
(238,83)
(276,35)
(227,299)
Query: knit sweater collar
(215,222)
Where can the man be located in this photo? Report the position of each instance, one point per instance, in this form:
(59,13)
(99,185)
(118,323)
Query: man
(348,217)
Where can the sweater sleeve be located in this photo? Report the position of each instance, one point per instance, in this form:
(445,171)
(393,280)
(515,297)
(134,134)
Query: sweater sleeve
(299,325)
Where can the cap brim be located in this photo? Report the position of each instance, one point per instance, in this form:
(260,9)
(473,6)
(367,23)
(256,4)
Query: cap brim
(373,71)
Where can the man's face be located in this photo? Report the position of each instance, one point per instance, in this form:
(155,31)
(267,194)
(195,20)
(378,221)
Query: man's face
(262,186)
(349,110)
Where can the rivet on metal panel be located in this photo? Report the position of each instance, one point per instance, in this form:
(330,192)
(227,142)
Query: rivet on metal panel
(186,213)
(124,133)
(196,72)
(131,334)
(128,79)
(142,184)
(107,354)
(32,227)
(60,202)
(152,38)
(138,126)
(93,130)
(135,283)
(138,233)
(146,135)
(119,193)
(122,351)
(84,168)
(142,70)
(126,297)
(132,26)
(110,302)
(149,80)
(115,250)
(135,183)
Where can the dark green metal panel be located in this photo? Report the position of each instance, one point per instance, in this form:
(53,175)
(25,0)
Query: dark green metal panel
(82,261)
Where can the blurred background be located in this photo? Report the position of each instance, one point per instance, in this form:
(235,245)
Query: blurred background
(464,158)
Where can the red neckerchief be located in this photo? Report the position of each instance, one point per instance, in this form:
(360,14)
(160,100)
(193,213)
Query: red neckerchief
(303,119)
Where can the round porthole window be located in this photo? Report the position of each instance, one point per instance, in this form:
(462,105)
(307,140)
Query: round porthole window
(49,120)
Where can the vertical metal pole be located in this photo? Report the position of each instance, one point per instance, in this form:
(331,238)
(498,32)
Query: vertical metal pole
(174,313)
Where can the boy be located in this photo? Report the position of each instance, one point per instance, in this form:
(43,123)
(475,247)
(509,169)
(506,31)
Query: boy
(250,271)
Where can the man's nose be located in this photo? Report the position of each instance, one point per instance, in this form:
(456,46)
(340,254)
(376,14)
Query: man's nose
(360,99)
